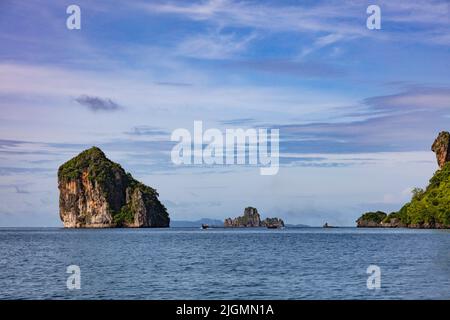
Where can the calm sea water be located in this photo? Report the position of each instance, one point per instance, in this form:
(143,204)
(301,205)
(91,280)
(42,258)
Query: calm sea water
(307,263)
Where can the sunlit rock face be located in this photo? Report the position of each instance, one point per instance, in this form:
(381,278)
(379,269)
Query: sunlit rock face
(97,193)
(251,218)
(441,147)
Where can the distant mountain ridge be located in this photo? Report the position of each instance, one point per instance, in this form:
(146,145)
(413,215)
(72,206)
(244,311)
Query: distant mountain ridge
(289,225)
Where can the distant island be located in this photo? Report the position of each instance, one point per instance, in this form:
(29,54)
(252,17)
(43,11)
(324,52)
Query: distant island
(251,218)
(429,208)
(97,193)
(290,225)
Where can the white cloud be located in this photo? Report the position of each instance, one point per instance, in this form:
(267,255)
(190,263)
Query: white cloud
(423,98)
(343,18)
(324,18)
(214,46)
(42,98)
(322,42)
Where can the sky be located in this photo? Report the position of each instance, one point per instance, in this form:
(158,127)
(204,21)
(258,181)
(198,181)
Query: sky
(357,109)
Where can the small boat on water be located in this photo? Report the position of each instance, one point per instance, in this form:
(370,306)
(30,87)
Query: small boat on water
(326,225)
(205,226)
(272,226)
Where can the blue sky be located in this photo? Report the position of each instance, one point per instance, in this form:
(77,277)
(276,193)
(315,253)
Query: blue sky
(357,109)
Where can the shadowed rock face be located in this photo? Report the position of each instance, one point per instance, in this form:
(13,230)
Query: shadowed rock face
(251,218)
(97,193)
(441,147)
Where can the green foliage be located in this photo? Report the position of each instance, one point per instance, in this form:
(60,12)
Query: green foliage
(99,168)
(417,193)
(125,215)
(432,205)
(399,215)
(92,159)
(377,216)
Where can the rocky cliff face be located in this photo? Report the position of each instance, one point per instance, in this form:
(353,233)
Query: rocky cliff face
(251,218)
(441,147)
(272,222)
(97,193)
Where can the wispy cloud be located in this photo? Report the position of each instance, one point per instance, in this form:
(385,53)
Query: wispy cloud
(322,42)
(434,12)
(21,190)
(238,121)
(330,21)
(406,121)
(9,143)
(147,131)
(97,104)
(264,16)
(289,67)
(214,46)
(4,171)
(415,98)
(173,84)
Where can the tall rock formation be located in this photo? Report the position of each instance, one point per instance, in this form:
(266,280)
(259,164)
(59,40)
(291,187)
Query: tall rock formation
(441,147)
(97,193)
(251,218)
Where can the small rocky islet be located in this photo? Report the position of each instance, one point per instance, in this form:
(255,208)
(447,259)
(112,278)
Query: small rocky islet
(251,218)
(429,208)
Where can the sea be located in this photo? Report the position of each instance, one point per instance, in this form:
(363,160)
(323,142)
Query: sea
(218,263)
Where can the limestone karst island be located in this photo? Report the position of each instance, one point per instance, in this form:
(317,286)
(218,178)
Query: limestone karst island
(429,208)
(251,218)
(97,193)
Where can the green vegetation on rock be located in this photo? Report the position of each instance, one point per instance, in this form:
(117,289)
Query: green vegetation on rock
(124,216)
(375,217)
(99,168)
(104,193)
(431,206)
